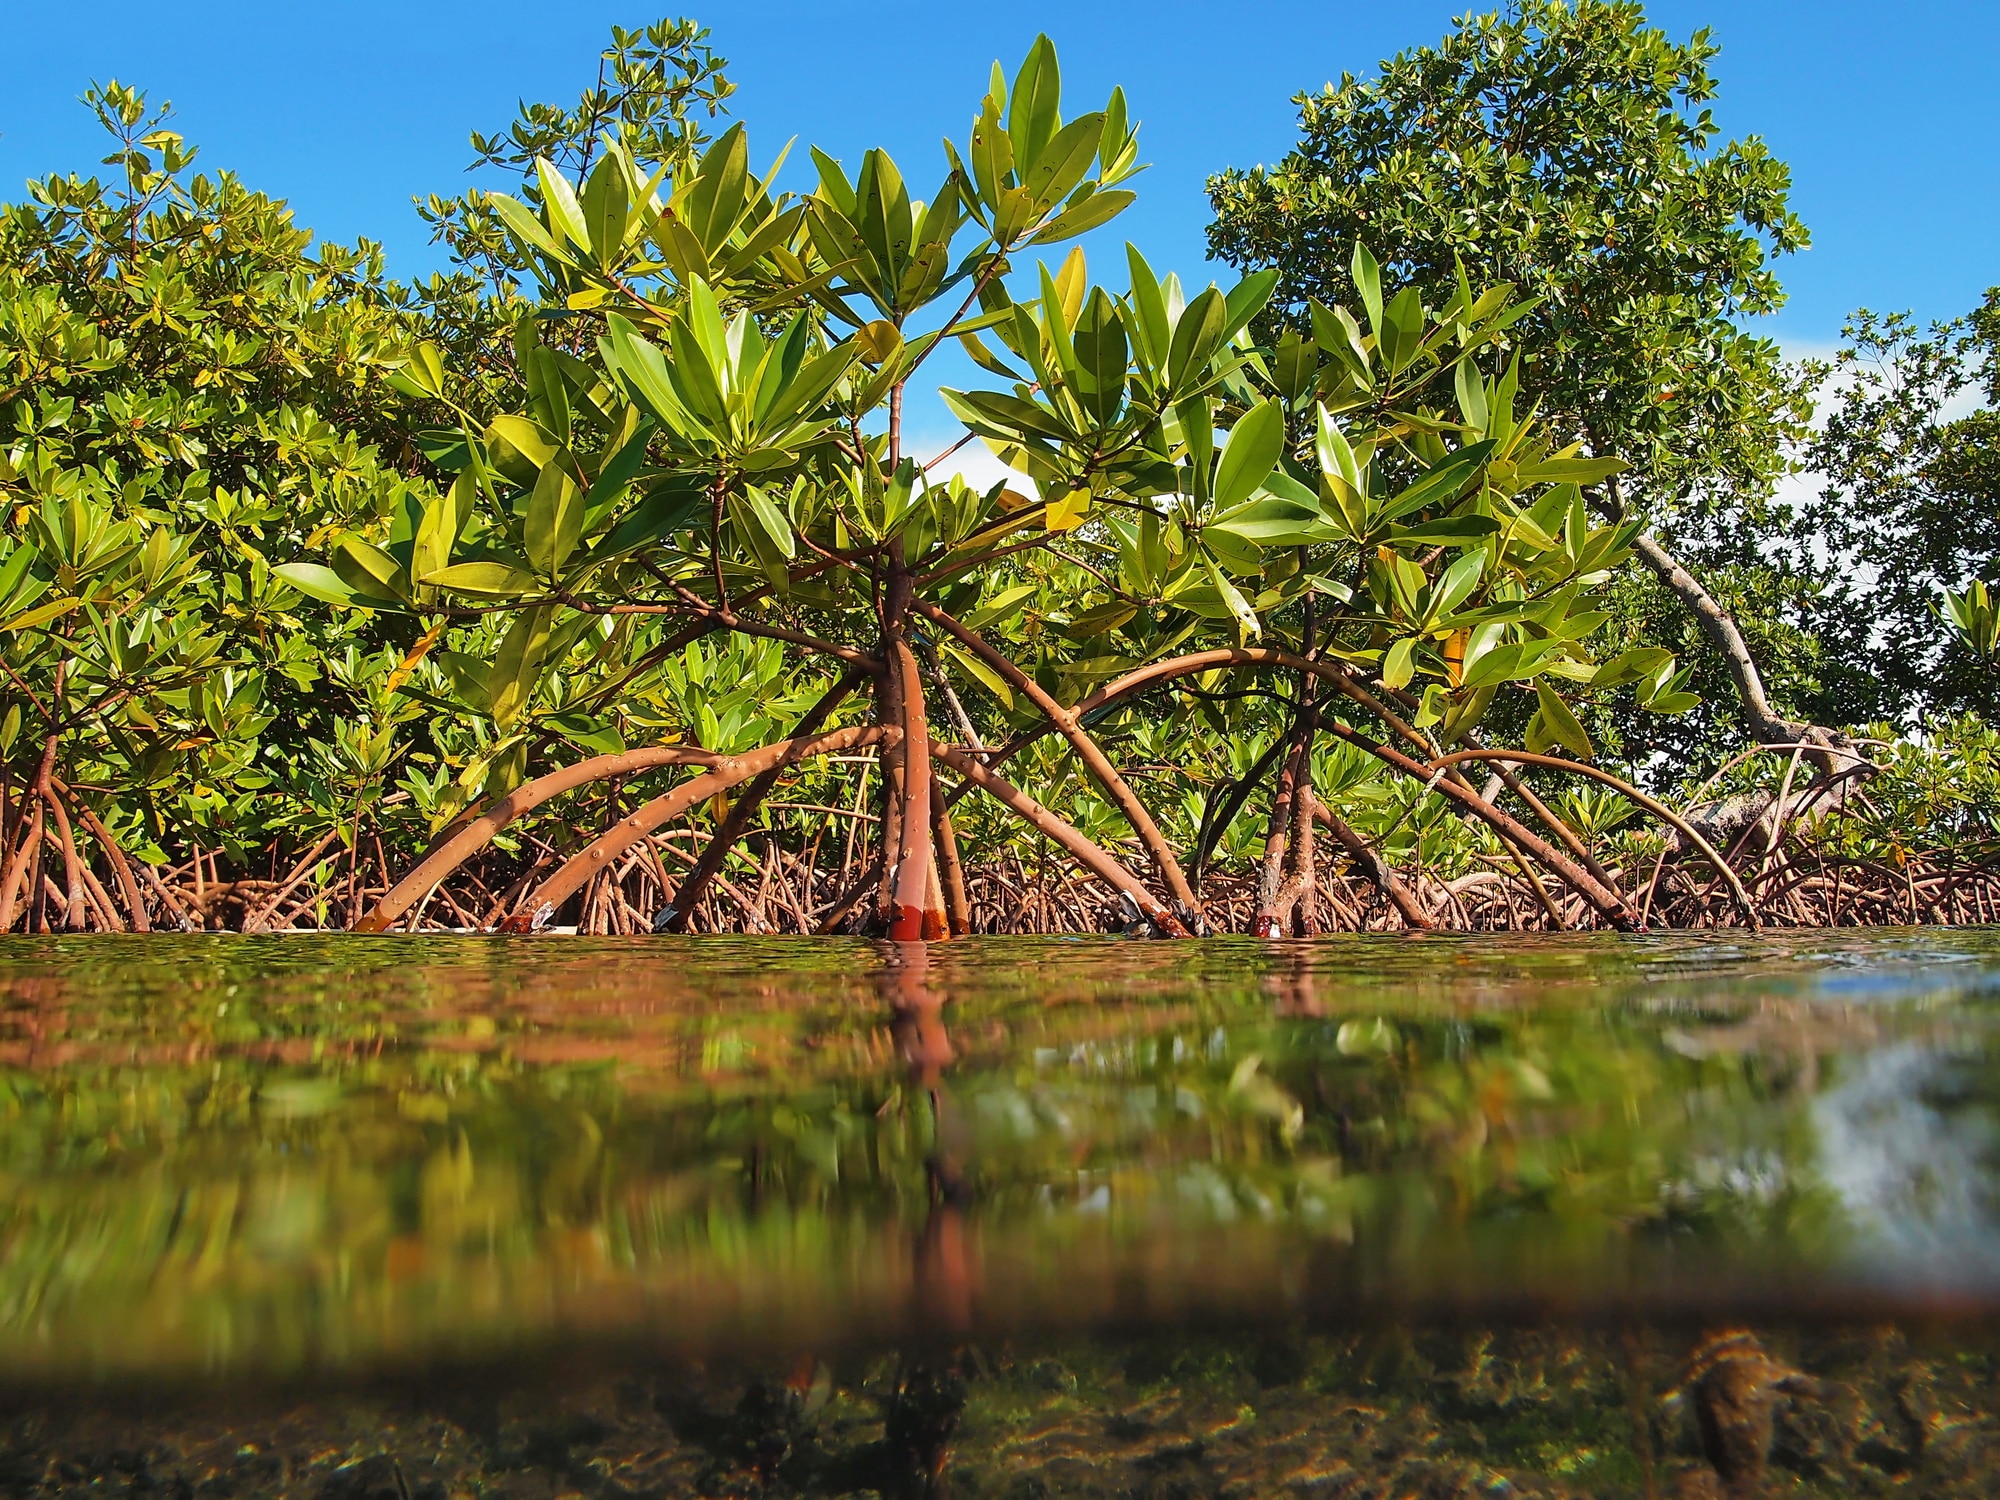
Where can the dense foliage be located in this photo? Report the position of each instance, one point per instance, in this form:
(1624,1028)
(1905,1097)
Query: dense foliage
(1569,150)
(193,396)
(1327,570)
(1907,511)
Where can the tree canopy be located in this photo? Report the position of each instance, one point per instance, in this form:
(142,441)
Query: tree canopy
(612,535)
(1566,150)
(1904,508)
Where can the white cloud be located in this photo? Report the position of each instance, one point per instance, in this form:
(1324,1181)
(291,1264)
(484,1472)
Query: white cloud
(975,461)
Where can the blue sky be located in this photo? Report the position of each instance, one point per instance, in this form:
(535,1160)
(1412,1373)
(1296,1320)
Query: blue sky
(1886,113)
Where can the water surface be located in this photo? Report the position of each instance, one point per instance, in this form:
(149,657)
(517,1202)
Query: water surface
(1091,1188)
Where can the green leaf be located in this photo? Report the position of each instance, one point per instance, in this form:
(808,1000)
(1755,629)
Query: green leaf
(1400,664)
(1634,665)
(1368,282)
(444,516)
(1335,456)
(1063,162)
(642,369)
(467,677)
(599,735)
(1100,618)
(1449,531)
(604,210)
(1569,470)
(517,665)
(554,522)
(559,203)
(1003,416)
(1085,215)
(485,577)
(322,583)
(1509,662)
(1403,330)
(1558,724)
(666,510)
(1255,444)
(41,614)
(1457,584)
(369,569)
(1246,299)
(715,202)
(1101,357)
(1442,483)
(986,359)
(765,514)
(1196,337)
(1233,600)
(1033,103)
(980,672)
(1002,606)
(1471,391)
(525,227)
(1276,522)
(525,437)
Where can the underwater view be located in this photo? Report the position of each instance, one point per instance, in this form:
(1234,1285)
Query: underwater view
(1434,1216)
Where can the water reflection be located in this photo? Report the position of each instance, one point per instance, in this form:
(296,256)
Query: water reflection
(244,1157)
(944,1274)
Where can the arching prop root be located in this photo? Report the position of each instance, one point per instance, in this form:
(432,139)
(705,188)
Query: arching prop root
(1069,724)
(1633,795)
(1371,863)
(82,900)
(725,772)
(459,842)
(1078,845)
(1609,903)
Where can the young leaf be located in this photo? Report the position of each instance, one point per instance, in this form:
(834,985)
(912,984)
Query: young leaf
(1400,664)
(1069,512)
(1368,282)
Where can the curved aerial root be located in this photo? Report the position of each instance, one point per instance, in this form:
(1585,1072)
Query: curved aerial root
(1068,724)
(1631,794)
(727,772)
(1079,845)
(1609,903)
(465,840)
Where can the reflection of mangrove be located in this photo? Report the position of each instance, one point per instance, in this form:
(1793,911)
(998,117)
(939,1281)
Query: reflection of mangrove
(361,1163)
(943,1276)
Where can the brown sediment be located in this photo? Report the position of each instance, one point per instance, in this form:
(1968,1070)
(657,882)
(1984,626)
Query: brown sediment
(1470,1413)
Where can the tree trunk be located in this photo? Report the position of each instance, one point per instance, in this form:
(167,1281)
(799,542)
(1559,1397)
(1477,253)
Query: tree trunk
(913,898)
(1268,920)
(1767,726)
(916,900)
(1831,753)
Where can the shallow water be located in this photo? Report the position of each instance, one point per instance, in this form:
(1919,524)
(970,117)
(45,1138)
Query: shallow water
(357,1218)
